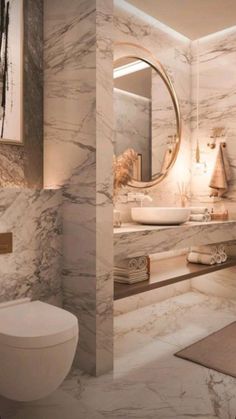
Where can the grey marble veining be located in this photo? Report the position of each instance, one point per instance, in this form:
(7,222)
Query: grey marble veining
(144,240)
(34,267)
(217,108)
(78,156)
(12,166)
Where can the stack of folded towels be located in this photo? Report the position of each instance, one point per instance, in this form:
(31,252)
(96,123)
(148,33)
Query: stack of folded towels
(130,271)
(200,214)
(207,255)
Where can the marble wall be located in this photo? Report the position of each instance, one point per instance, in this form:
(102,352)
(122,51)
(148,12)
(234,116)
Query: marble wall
(174,52)
(34,268)
(78,157)
(22,166)
(32,215)
(217,108)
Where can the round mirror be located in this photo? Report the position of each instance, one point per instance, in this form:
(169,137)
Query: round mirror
(146,114)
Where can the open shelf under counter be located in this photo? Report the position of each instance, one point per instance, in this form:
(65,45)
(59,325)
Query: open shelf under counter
(166,272)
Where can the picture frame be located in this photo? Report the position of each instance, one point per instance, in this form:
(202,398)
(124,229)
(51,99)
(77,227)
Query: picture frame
(12,72)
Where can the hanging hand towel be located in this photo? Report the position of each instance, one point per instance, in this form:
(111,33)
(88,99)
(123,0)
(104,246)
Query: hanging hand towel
(221,175)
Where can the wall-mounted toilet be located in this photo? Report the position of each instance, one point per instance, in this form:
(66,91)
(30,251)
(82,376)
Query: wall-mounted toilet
(37,347)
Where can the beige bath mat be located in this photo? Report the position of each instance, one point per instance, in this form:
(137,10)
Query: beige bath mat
(217,351)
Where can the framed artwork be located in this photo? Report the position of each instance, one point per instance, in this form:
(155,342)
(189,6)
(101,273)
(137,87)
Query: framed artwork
(11,71)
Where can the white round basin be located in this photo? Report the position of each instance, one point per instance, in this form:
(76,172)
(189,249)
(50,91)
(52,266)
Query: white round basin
(160,215)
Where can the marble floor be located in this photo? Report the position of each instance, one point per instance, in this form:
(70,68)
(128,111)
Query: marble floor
(148,381)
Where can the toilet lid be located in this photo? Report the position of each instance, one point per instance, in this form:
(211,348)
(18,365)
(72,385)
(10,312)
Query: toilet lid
(35,325)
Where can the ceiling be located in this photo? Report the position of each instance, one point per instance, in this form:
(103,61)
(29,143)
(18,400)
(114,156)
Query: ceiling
(192,18)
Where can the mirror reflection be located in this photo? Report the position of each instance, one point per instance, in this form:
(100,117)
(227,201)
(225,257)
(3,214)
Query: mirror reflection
(145,117)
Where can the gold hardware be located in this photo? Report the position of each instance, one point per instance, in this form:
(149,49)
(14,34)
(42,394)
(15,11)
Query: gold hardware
(132,50)
(213,145)
(6,243)
(218,132)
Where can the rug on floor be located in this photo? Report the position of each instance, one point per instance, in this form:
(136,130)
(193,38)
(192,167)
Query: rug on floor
(216,351)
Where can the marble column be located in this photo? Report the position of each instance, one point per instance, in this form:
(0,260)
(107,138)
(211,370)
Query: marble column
(78,157)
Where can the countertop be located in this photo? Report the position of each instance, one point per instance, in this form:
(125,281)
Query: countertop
(137,240)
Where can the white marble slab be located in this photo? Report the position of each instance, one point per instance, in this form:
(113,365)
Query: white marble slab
(138,240)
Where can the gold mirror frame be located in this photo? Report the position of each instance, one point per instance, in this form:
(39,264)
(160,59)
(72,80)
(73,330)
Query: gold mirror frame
(126,49)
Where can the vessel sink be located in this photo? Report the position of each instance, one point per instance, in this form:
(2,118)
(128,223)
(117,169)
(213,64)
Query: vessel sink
(160,215)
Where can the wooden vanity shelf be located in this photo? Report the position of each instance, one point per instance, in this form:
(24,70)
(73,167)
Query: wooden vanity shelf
(166,272)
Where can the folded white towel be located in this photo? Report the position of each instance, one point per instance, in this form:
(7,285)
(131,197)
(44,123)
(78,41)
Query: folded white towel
(218,252)
(142,262)
(200,217)
(221,248)
(123,271)
(203,259)
(123,280)
(224,257)
(126,274)
(209,250)
(218,258)
(199,210)
(134,264)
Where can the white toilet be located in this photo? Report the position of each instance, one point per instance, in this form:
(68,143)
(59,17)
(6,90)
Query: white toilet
(37,347)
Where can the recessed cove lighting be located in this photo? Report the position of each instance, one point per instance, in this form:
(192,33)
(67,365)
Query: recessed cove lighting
(130,68)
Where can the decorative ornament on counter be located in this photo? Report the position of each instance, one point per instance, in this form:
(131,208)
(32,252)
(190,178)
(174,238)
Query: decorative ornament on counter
(123,169)
(219,215)
(123,166)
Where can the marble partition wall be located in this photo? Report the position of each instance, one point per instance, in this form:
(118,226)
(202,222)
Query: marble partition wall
(217,108)
(78,157)
(174,52)
(34,268)
(22,165)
